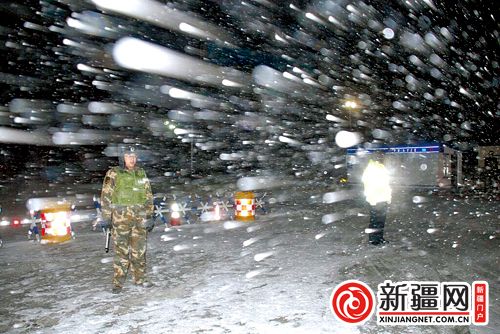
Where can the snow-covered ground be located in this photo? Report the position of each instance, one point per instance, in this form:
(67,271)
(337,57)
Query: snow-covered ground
(274,275)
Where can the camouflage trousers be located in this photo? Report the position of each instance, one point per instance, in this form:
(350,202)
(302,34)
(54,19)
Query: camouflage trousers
(130,240)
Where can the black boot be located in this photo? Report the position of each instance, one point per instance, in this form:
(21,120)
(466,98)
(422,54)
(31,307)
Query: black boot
(116,289)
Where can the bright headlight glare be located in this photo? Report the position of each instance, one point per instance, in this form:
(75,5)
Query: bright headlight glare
(59,227)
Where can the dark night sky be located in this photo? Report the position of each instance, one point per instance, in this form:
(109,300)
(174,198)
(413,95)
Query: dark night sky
(40,66)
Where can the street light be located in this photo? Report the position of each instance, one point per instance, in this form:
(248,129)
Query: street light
(351,105)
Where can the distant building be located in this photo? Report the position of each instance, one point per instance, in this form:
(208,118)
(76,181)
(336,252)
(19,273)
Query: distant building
(489,157)
(429,165)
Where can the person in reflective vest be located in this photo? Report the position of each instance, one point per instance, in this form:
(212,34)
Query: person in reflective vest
(377,191)
(127,202)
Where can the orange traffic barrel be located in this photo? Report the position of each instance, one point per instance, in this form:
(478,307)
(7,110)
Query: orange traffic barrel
(56,224)
(244,205)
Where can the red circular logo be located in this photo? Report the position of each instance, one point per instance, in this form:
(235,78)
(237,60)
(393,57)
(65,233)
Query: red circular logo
(352,302)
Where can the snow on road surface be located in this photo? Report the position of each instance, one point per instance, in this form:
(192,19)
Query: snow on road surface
(271,276)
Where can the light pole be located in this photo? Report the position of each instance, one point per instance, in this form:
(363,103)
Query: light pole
(351,106)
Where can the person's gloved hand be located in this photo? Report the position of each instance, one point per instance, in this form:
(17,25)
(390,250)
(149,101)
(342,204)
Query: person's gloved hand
(149,224)
(106,224)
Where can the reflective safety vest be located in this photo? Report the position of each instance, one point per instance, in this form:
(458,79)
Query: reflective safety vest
(376,181)
(130,188)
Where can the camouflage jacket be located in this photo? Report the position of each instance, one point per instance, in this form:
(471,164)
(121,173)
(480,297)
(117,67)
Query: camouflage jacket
(108,188)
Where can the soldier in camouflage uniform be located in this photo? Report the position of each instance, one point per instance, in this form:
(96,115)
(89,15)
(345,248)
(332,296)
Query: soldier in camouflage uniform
(127,201)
